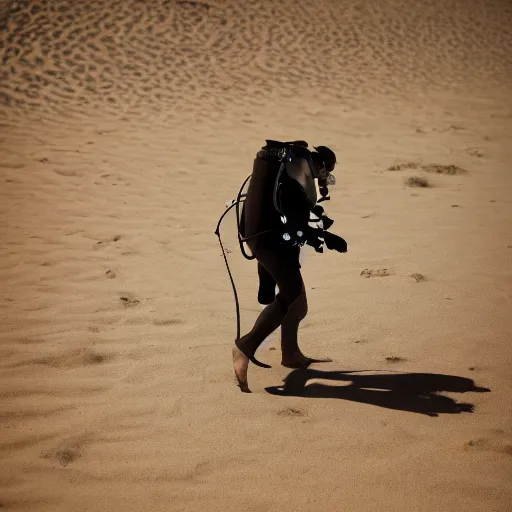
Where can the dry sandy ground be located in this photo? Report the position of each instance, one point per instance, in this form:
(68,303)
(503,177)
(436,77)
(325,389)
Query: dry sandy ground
(125,127)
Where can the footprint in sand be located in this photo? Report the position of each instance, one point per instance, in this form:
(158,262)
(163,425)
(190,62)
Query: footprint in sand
(170,321)
(418,277)
(381,272)
(396,359)
(449,170)
(418,181)
(404,166)
(103,243)
(128,301)
(67,451)
(292,411)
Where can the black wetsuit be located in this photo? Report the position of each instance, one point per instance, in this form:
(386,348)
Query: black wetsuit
(277,256)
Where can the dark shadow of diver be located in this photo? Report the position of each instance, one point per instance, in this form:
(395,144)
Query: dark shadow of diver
(413,392)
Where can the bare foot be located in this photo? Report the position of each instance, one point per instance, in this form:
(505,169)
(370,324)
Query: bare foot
(295,360)
(240,365)
(299,360)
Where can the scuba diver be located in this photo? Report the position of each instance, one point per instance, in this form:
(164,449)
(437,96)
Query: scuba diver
(280,214)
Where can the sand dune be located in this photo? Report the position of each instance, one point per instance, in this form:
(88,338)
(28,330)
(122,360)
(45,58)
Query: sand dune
(124,129)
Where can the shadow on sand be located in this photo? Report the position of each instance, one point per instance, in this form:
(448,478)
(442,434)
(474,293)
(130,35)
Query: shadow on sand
(413,392)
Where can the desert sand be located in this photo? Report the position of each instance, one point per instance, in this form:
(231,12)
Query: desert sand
(125,127)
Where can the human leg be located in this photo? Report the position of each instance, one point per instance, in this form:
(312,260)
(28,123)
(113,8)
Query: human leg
(266,287)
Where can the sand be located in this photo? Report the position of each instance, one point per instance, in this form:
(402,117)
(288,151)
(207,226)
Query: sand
(125,127)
